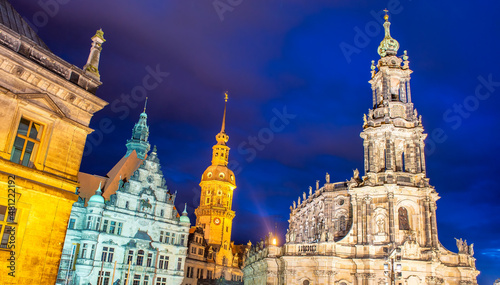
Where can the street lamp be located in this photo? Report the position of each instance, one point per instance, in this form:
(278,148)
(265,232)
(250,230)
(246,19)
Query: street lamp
(393,267)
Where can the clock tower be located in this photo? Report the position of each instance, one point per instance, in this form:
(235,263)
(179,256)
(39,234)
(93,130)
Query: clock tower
(214,214)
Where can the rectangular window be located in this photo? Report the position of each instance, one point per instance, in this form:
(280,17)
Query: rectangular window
(7,224)
(161,281)
(183,240)
(130,256)
(84,251)
(167,238)
(104,254)
(112,227)
(161,260)
(71,224)
(150,259)
(26,142)
(200,251)
(137,279)
(92,252)
(146,280)
(103,278)
(89,223)
(162,213)
(189,272)
(209,274)
(111,254)
(107,254)
(179,264)
(161,236)
(199,273)
(119,230)
(193,250)
(173,238)
(98,224)
(105,225)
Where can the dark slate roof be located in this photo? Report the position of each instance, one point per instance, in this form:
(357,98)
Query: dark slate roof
(142,235)
(10,18)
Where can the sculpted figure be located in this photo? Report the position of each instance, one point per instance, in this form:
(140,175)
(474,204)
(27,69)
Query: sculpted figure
(310,190)
(323,236)
(327,178)
(381,225)
(471,249)
(317,184)
(356,174)
(304,195)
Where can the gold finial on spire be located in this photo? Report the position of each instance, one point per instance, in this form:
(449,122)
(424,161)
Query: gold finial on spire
(223,128)
(386,16)
(145,104)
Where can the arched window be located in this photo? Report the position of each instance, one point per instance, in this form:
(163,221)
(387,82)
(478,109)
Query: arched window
(140,257)
(403,219)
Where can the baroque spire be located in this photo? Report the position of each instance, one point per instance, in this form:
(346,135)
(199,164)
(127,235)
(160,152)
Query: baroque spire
(140,134)
(388,46)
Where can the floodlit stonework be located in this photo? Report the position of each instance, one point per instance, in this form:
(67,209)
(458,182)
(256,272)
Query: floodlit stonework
(131,233)
(379,228)
(46,107)
(211,253)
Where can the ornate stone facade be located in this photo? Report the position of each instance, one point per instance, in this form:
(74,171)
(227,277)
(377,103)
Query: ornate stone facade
(379,228)
(46,107)
(136,232)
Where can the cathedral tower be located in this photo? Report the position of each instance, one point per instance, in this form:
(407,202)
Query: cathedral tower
(214,213)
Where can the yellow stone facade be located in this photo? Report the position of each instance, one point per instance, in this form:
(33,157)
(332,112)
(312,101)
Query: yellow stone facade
(47,105)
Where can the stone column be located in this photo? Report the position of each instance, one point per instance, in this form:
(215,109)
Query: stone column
(369,222)
(433,224)
(355,218)
(426,202)
(363,221)
(360,221)
(390,198)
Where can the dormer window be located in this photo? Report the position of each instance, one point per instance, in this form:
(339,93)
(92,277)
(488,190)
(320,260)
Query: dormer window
(27,142)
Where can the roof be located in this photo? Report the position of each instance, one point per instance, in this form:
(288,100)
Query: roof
(124,169)
(11,19)
(142,235)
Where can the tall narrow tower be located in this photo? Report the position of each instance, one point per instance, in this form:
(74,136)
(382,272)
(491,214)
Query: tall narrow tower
(214,213)
(140,133)
(393,133)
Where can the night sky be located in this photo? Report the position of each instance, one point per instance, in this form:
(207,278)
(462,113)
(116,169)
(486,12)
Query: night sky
(310,59)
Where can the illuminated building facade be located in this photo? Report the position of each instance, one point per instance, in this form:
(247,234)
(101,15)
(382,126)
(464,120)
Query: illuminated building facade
(46,107)
(130,232)
(379,228)
(211,253)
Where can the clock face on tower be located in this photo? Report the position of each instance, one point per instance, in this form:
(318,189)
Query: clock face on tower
(216,221)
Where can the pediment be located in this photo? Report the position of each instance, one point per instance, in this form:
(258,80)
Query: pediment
(42,100)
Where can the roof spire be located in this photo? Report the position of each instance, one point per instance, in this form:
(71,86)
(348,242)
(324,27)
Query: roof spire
(98,191)
(388,46)
(223,128)
(145,104)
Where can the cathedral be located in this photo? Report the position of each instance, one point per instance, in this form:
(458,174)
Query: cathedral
(379,228)
(211,253)
(124,228)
